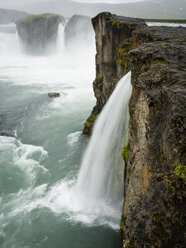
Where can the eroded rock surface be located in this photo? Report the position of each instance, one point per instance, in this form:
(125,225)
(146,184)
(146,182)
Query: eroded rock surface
(155,178)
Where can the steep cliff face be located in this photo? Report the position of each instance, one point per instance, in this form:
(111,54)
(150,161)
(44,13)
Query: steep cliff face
(111,31)
(38,32)
(155,178)
(155,173)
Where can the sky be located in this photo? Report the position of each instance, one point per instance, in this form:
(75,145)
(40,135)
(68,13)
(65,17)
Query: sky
(10,3)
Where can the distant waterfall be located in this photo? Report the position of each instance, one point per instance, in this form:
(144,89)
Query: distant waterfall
(61,38)
(9,41)
(102,165)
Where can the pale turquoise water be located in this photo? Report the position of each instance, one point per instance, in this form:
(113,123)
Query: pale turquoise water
(39,166)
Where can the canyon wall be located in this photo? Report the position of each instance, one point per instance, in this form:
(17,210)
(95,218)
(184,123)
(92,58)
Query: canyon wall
(154,191)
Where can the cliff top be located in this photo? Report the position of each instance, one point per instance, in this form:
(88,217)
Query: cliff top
(118,20)
(32,18)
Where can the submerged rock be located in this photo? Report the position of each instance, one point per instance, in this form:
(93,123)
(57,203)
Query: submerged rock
(39,32)
(53,95)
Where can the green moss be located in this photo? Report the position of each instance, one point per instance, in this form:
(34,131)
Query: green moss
(31,18)
(125,153)
(118,25)
(149,63)
(98,82)
(122,55)
(129,244)
(180,170)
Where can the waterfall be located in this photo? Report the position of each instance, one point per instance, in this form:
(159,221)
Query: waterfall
(102,163)
(9,41)
(61,38)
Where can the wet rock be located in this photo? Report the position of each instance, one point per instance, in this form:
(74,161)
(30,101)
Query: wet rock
(39,32)
(53,95)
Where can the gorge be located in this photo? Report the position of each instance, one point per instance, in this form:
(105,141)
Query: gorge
(50,201)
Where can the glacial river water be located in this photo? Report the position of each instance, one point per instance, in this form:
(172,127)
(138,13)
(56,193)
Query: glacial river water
(41,149)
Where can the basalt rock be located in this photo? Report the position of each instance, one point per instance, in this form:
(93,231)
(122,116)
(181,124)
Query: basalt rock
(155,172)
(39,32)
(112,60)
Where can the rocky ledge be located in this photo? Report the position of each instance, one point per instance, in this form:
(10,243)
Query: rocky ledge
(155,171)
(38,32)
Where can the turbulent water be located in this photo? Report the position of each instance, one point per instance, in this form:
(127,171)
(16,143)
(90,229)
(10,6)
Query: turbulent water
(41,149)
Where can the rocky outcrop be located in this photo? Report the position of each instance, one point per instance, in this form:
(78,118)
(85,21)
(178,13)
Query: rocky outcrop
(9,15)
(39,32)
(155,172)
(78,30)
(111,31)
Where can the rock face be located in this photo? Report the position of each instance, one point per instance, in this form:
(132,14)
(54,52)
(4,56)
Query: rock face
(111,31)
(78,30)
(39,32)
(155,173)
(9,15)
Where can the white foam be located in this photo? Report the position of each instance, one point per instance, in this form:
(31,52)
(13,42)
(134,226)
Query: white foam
(27,157)
(72,138)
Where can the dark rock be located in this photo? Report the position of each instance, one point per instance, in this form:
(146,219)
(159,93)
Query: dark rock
(110,31)
(39,32)
(154,194)
(53,94)
(154,191)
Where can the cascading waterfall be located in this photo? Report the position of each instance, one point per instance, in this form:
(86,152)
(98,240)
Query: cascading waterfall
(9,42)
(102,160)
(61,38)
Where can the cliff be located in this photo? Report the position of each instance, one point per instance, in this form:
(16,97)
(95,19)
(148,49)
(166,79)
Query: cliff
(9,15)
(155,172)
(38,32)
(110,31)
